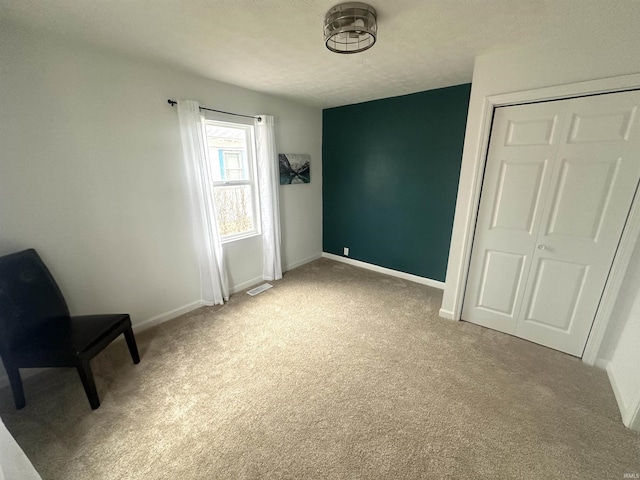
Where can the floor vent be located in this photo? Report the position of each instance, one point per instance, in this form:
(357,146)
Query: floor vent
(260,289)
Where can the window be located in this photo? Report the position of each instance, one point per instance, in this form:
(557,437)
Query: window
(231,152)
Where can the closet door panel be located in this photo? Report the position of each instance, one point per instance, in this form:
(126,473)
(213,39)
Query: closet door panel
(596,173)
(516,180)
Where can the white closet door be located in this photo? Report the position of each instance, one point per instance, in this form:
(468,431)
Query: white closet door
(595,176)
(517,177)
(545,283)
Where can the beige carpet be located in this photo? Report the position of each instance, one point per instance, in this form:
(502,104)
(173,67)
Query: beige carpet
(336,372)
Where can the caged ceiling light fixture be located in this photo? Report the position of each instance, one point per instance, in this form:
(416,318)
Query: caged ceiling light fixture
(350,28)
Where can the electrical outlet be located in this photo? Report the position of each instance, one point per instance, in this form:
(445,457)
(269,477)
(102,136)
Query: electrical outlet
(345,251)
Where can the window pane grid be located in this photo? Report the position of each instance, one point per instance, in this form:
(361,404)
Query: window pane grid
(234,183)
(234,209)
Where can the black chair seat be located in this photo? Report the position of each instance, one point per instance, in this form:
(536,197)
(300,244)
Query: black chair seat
(36,329)
(67,337)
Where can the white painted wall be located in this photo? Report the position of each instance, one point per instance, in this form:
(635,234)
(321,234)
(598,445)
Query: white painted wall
(14,464)
(91,174)
(624,367)
(619,352)
(624,310)
(599,44)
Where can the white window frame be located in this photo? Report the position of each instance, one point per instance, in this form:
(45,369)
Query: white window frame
(225,156)
(251,182)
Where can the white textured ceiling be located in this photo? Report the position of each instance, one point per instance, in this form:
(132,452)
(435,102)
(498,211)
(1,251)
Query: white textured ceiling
(276,46)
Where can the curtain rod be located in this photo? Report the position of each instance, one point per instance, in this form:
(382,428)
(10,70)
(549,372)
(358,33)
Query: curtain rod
(173,103)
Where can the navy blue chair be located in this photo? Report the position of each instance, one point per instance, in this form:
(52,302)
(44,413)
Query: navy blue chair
(37,331)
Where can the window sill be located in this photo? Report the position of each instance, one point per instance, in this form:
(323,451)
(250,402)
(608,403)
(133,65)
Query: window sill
(240,236)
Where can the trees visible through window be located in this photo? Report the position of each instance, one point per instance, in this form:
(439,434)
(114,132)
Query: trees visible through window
(231,151)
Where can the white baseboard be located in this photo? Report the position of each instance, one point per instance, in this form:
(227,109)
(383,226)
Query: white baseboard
(626,412)
(249,283)
(387,271)
(601,363)
(243,285)
(629,407)
(445,314)
(163,317)
(302,262)
(634,421)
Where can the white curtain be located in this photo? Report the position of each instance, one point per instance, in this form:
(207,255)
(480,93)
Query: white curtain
(268,184)
(214,285)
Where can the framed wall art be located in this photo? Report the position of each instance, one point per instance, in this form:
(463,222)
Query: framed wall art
(294,168)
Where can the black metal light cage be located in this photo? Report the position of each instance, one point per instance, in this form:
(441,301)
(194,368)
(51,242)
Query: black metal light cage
(350,27)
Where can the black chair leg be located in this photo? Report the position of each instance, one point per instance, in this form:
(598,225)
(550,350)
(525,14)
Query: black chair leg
(131,343)
(86,375)
(16,387)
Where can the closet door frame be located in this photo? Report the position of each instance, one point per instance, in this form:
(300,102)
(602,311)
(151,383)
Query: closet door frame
(631,231)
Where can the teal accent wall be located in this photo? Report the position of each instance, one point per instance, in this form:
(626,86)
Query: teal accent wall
(390,173)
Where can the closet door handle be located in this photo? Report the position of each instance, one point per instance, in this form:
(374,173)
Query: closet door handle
(542,247)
